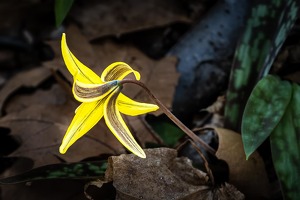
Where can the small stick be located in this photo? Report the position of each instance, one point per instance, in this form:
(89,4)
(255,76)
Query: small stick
(206,165)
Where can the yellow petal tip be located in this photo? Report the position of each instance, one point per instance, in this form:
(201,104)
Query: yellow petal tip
(141,154)
(62,150)
(137,75)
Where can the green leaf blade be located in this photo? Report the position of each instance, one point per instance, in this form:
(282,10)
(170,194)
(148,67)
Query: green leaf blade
(264,109)
(84,170)
(266,29)
(165,129)
(285,148)
(62,8)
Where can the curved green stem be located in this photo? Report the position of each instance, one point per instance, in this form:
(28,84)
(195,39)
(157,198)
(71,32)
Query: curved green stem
(185,129)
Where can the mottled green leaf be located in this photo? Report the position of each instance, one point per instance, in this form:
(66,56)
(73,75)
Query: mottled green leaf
(285,146)
(267,28)
(165,128)
(84,170)
(264,109)
(62,8)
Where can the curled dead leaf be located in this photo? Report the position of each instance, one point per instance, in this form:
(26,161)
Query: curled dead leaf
(163,176)
(249,176)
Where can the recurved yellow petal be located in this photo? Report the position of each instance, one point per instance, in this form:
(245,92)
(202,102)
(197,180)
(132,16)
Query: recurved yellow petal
(130,107)
(117,126)
(76,68)
(87,92)
(87,115)
(78,108)
(118,71)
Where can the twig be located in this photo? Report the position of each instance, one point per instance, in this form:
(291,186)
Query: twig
(206,165)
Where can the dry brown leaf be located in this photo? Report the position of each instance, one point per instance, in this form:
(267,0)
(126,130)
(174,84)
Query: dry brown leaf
(39,136)
(40,129)
(163,176)
(99,18)
(223,192)
(31,78)
(249,176)
(52,96)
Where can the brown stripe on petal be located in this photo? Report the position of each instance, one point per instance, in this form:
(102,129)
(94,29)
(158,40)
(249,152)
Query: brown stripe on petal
(94,92)
(116,72)
(115,119)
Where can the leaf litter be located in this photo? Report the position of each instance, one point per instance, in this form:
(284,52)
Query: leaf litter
(43,116)
(39,120)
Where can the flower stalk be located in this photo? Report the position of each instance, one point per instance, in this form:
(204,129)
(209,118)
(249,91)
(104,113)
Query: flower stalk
(184,128)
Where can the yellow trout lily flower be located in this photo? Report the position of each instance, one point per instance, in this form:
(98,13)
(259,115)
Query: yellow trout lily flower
(101,96)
